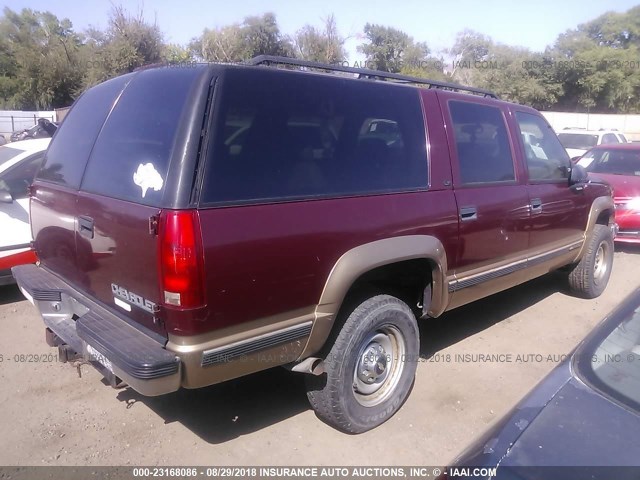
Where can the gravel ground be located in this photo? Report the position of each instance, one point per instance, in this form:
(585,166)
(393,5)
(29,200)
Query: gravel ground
(50,416)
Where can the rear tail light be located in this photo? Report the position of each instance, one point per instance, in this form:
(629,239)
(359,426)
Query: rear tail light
(181,259)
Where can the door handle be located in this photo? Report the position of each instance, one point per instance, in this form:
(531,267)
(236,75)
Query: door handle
(468,214)
(536,205)
(85,226)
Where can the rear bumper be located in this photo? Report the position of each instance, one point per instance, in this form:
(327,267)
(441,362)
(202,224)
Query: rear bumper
(99,336)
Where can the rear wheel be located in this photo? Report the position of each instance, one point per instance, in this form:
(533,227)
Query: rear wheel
(369,368)
(590,276)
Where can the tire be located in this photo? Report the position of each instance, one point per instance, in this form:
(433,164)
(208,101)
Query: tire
(590,276)
(380,337)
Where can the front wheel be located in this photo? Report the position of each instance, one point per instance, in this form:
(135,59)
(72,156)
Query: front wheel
(590,276)
(370,367)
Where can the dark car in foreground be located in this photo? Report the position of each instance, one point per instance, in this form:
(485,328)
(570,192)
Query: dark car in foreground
(581,421)
(619,166)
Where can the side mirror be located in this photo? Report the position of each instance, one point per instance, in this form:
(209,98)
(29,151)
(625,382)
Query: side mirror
(5,196)
(578,175)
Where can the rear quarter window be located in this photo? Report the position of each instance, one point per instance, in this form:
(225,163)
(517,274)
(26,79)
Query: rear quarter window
(131,156)
(284,135)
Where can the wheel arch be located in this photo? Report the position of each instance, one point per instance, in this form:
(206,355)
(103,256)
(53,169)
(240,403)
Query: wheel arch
(359,261)
(602,212)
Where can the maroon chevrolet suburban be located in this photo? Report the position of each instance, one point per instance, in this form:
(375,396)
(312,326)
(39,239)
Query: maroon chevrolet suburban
(194,225)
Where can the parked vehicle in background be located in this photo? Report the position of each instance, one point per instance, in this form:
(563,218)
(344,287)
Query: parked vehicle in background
(296,218)
(42,129)
(585,413)
(619,165)
(3,140)
(577,141)
(19,162)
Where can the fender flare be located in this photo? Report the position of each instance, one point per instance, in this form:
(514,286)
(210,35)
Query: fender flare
(364,258)
(599,205)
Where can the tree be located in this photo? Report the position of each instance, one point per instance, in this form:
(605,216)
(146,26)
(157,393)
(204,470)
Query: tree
(326,45)
(385,48)
(256,35)
(173,53)
(38,60)
(129,42)
(597,64)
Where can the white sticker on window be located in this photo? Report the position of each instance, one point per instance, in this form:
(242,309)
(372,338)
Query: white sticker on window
(147,177)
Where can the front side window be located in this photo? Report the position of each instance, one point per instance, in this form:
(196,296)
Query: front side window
(546,158)
(285,135)
(482,144)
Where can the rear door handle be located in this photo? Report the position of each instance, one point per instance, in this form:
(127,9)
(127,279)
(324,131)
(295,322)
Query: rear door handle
(536,205)
(468,214)
(85,226)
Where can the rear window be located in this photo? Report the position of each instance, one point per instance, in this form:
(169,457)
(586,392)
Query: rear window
(288,135)
(69,150)
(130,159)
(611,360)
(7,153)
(613,162)
(579,141)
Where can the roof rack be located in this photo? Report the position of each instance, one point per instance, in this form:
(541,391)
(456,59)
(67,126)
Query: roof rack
(368,73)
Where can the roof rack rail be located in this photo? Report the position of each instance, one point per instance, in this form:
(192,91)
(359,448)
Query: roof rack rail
(367,73)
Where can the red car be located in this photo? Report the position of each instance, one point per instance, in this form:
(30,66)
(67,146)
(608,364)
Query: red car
(619,165)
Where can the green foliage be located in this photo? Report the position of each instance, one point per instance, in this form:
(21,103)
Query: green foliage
(45,63)
(38,60)
(129,42)
(256,35)
(386,47)
(597,65)
(317,45)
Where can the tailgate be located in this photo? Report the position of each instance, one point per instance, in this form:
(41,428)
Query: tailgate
(116,178)
(118,257)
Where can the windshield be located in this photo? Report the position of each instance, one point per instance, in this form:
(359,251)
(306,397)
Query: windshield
(581,141)
(610,361)
(612,162)
(7,153)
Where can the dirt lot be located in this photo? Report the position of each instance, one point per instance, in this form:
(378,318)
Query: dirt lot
(49,416)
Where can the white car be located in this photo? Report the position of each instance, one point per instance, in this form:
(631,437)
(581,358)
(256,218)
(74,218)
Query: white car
(19,162)
(577,141)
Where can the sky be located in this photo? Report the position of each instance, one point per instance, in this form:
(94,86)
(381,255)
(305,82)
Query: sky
(530,24)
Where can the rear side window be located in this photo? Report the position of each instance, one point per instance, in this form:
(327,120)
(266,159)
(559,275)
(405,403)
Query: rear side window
(287,135)
(69,150)
(131,156)
(484,153)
